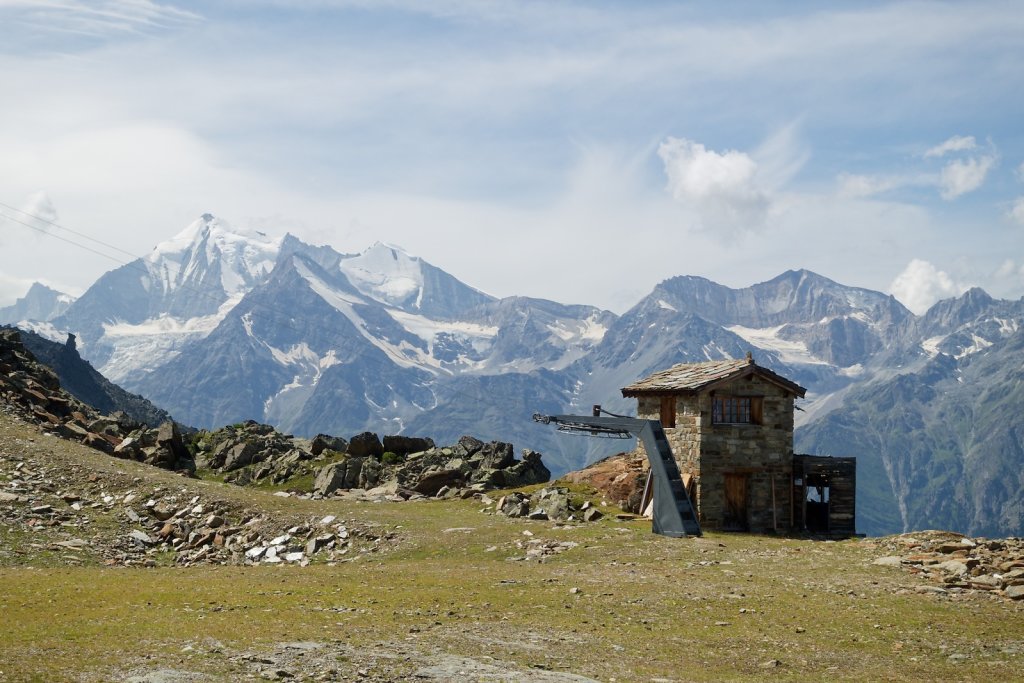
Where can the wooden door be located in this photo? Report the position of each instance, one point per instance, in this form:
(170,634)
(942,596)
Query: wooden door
(735,518)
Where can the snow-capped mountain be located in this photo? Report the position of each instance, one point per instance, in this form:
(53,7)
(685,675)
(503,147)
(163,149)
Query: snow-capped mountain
(937,430)
(320,340)
(813,330)
(219,325)
(40,304)
(148,309)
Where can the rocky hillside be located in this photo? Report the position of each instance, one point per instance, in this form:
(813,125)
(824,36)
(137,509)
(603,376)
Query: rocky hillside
(33,391)
(85,510)
(397,467)
(80,379)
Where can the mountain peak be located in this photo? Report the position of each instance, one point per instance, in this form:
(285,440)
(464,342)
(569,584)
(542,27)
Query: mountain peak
(386,248)
(40,303)
(385,272)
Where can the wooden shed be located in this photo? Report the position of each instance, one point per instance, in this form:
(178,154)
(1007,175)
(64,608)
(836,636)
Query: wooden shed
(824,494)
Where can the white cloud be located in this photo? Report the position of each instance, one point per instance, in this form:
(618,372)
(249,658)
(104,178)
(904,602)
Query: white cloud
(854,186)
(96,19)
(721,186)
(1017,211)
(964,175)
(921,284)
(39,210)
(1009,269)
(959,176)
(957,143)
(36,214)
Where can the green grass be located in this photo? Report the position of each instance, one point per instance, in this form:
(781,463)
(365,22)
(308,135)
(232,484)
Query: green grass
(719,607)
(714,608)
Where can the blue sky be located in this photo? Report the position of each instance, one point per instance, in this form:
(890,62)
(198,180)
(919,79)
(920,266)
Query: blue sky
(575,151)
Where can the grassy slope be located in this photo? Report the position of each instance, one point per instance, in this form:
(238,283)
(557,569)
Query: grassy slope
(718,607)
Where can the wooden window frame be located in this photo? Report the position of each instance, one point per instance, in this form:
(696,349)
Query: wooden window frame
(736,410)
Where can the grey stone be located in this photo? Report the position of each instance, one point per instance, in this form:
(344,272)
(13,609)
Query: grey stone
(1014,592)
(431,483)
(323,442)
(142,537)
(954,567)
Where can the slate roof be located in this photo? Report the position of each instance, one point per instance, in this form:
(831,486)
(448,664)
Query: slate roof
(688,378)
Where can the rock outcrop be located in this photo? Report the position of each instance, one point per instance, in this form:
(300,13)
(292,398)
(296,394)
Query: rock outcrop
(33,391)
(470,465)
(620,479)
(406,466)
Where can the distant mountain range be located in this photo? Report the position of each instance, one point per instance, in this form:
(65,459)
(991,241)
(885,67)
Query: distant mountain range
(219,325)
(40,303)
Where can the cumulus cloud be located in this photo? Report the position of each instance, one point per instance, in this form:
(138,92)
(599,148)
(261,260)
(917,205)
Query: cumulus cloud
(720,186)
(921,284)
(964,175)
(957,143)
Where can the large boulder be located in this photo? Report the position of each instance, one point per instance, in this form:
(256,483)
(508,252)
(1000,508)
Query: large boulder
(404,445)
(467,446)
(343,475)
(239,455)
(326,442)
(429,484)
(174,454)
(495,455)
(553,503)
(365,445)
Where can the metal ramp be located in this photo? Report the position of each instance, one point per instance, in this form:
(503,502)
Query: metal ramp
(673,512)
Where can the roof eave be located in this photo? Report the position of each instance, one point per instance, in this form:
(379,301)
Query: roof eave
(763,373)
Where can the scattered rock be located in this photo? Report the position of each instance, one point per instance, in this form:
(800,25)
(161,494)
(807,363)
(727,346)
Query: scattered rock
(955,564)
(549,503)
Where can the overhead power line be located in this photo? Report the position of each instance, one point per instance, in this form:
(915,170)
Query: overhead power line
(61,227)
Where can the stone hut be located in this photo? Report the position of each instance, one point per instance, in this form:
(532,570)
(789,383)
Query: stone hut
(730,426)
